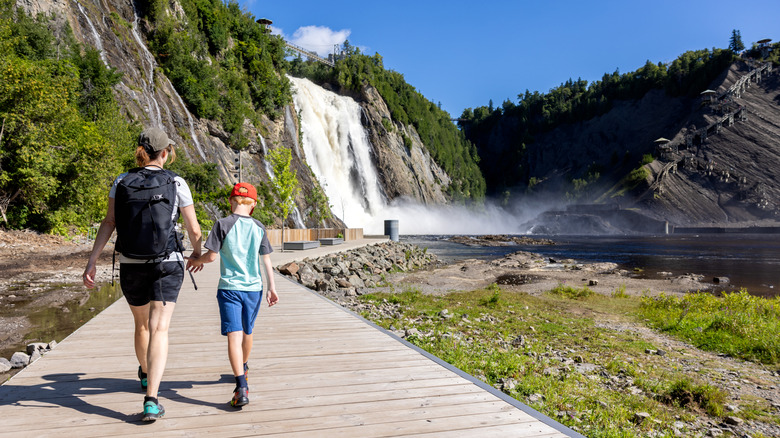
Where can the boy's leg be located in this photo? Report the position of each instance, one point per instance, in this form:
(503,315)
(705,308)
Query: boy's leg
(247,346)
(236,352)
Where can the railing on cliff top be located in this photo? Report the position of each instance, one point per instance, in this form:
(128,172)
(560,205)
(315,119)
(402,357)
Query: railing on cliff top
(311,55)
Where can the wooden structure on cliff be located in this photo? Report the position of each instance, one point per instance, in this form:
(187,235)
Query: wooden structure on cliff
(730,112)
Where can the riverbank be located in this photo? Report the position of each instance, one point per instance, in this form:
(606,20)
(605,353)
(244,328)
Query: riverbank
(587,361)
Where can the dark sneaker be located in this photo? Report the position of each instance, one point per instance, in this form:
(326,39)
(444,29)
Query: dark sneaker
(246,371)
(153,411)
(240,397)
(142,377)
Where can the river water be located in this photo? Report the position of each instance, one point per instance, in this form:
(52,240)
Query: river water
(750,261)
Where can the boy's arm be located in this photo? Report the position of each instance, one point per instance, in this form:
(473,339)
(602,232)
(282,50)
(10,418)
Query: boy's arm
(273,298)
(195,264)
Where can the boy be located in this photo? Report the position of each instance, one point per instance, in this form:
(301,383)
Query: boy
(240,240)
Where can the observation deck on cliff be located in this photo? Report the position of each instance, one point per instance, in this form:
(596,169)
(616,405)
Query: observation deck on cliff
(316,370)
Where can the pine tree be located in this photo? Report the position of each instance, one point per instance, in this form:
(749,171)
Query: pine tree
(735,42)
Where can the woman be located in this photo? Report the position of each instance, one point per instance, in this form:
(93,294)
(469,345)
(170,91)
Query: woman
(150,288)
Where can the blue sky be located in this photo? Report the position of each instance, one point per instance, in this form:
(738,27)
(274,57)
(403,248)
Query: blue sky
(465,53)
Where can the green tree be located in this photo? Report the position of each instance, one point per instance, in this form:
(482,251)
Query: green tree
(284,183)
(58,118)
(319,206)
(735,42)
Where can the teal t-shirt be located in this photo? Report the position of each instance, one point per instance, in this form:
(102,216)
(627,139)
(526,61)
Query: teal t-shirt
(240,241)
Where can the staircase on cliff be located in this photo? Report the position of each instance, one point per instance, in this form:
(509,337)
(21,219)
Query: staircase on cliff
(689,150)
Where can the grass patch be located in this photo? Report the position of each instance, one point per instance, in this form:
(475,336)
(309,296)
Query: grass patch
(738,323)
(571,292)
(548,352)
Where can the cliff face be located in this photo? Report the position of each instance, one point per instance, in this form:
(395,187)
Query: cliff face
(425,179)
(719,169)
(149,98)
(728,174)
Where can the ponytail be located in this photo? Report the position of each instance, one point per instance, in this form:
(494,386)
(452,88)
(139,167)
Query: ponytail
(145,156)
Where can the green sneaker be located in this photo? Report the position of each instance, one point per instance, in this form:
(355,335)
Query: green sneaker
(153,411)
(142,377)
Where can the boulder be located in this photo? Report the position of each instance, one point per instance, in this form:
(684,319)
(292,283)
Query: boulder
(40,347)
(20,360)
(640,417)
(307,277)
(342,283)
(355,281)
(5,365)
(289,269)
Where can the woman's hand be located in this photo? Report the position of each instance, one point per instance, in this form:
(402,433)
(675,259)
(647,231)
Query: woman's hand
(89,276)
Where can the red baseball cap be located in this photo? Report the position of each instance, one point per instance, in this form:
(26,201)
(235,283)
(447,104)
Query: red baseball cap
(244,189)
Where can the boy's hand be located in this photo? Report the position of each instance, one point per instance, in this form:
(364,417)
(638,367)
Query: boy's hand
(194,263)
(273,298)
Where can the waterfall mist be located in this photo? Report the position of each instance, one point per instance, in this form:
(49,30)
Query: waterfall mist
(339,153)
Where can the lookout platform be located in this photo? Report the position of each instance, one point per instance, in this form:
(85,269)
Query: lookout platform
(317,370)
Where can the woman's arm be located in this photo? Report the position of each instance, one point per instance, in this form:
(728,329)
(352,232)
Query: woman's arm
(103,235)
(193,230)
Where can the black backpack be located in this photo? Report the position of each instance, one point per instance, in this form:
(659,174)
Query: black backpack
(144,214)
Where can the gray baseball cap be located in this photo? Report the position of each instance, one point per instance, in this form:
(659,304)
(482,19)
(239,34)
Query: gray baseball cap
(154,139)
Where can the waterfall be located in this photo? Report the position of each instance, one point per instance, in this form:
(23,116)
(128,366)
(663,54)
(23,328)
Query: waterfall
(268,169)
(95,35)
(150,90)
(189,119)
(339,153)
(297,218)
(153,106)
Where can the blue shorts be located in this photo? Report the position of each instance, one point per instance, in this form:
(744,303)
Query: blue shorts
(238,310)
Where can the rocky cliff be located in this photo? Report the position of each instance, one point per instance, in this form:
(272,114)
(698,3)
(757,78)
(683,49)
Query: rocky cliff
(716,169)
(148,98)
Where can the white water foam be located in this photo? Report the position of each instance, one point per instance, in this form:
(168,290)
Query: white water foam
(339,153)
(95,35)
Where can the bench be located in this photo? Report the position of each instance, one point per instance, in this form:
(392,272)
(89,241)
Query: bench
(301,244)
(331,241)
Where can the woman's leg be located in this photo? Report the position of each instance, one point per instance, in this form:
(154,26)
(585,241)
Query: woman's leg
(141,319)
(157,355)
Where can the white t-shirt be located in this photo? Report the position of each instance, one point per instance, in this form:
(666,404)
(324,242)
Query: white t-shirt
(183,199)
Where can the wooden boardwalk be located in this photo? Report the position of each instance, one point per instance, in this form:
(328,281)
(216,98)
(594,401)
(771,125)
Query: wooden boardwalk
(316,370)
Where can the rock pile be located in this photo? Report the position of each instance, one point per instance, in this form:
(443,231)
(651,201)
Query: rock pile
(21,359)
(349,272)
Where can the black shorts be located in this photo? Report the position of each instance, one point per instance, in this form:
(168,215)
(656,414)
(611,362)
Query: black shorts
(145,282)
